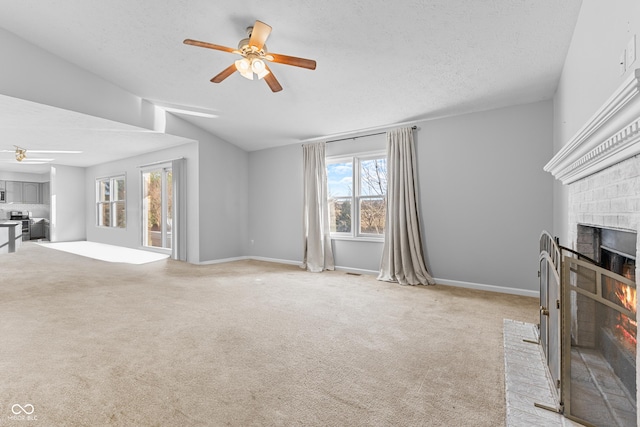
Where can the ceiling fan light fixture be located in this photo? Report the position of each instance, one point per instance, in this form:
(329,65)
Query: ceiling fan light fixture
(244,67)
(258,66)
(21,154)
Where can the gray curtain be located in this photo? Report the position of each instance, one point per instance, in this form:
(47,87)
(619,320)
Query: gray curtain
(179,231)
(318,255)
(402,256)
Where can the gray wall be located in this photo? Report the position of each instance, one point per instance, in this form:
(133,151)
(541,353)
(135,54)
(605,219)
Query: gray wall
(484,197)
(275,203)
(590,75)
(223,180)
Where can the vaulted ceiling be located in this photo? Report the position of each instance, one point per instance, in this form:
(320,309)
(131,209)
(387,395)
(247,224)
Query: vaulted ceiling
(378,62)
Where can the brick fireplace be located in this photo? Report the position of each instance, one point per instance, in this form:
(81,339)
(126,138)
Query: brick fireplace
(601,167)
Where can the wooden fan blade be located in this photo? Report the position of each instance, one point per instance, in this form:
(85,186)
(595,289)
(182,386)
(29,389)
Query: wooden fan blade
(309,64)
(259,34)
(224,74)
(209,45)
(272,81)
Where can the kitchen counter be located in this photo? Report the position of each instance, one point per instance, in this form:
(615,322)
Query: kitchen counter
(10,236)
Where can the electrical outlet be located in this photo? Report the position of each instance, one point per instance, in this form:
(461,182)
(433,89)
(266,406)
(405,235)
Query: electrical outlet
(631,51)
(622,62)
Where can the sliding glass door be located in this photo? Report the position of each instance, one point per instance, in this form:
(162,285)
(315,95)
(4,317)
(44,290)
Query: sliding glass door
(157,207)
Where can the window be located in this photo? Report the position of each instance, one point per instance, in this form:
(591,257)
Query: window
(357,190)
(110,202)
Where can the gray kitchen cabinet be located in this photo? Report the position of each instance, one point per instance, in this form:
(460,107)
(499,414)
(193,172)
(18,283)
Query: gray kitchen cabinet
(37,230)
(14,191)
(30,193)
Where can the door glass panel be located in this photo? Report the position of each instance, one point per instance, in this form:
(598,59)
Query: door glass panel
(169,208)
(157,208)
(152,205)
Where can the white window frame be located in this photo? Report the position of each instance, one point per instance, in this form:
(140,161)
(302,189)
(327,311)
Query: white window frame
(112,203)
(356,197)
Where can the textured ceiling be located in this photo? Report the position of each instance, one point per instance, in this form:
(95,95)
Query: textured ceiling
(379,62)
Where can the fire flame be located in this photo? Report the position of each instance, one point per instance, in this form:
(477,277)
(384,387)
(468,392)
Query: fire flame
(627,327)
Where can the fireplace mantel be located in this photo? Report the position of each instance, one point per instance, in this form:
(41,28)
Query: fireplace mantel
(609,137)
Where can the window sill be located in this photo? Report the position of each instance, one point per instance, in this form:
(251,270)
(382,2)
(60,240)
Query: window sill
(359,239)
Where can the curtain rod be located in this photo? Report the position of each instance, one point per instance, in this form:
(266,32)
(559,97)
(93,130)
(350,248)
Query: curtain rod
(346,135)
(362,136)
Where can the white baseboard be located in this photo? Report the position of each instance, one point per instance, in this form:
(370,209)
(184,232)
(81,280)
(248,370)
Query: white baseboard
(220,261)
(491,288)
(277,261)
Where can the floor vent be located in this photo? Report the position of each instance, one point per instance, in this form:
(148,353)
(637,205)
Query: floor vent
(354,274)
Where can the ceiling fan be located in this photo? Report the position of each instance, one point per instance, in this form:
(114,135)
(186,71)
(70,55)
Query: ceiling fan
(254,54)
(21,154)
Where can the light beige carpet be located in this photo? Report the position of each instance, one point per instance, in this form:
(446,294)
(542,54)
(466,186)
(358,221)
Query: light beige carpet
(247,343)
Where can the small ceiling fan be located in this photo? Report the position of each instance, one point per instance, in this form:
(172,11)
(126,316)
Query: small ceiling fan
(21,154)
(254,54)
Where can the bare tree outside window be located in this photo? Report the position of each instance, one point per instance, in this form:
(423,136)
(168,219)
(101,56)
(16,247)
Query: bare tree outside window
(360,209)
(373,190)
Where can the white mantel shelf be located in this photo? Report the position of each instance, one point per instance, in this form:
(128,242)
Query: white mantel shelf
(609,137)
